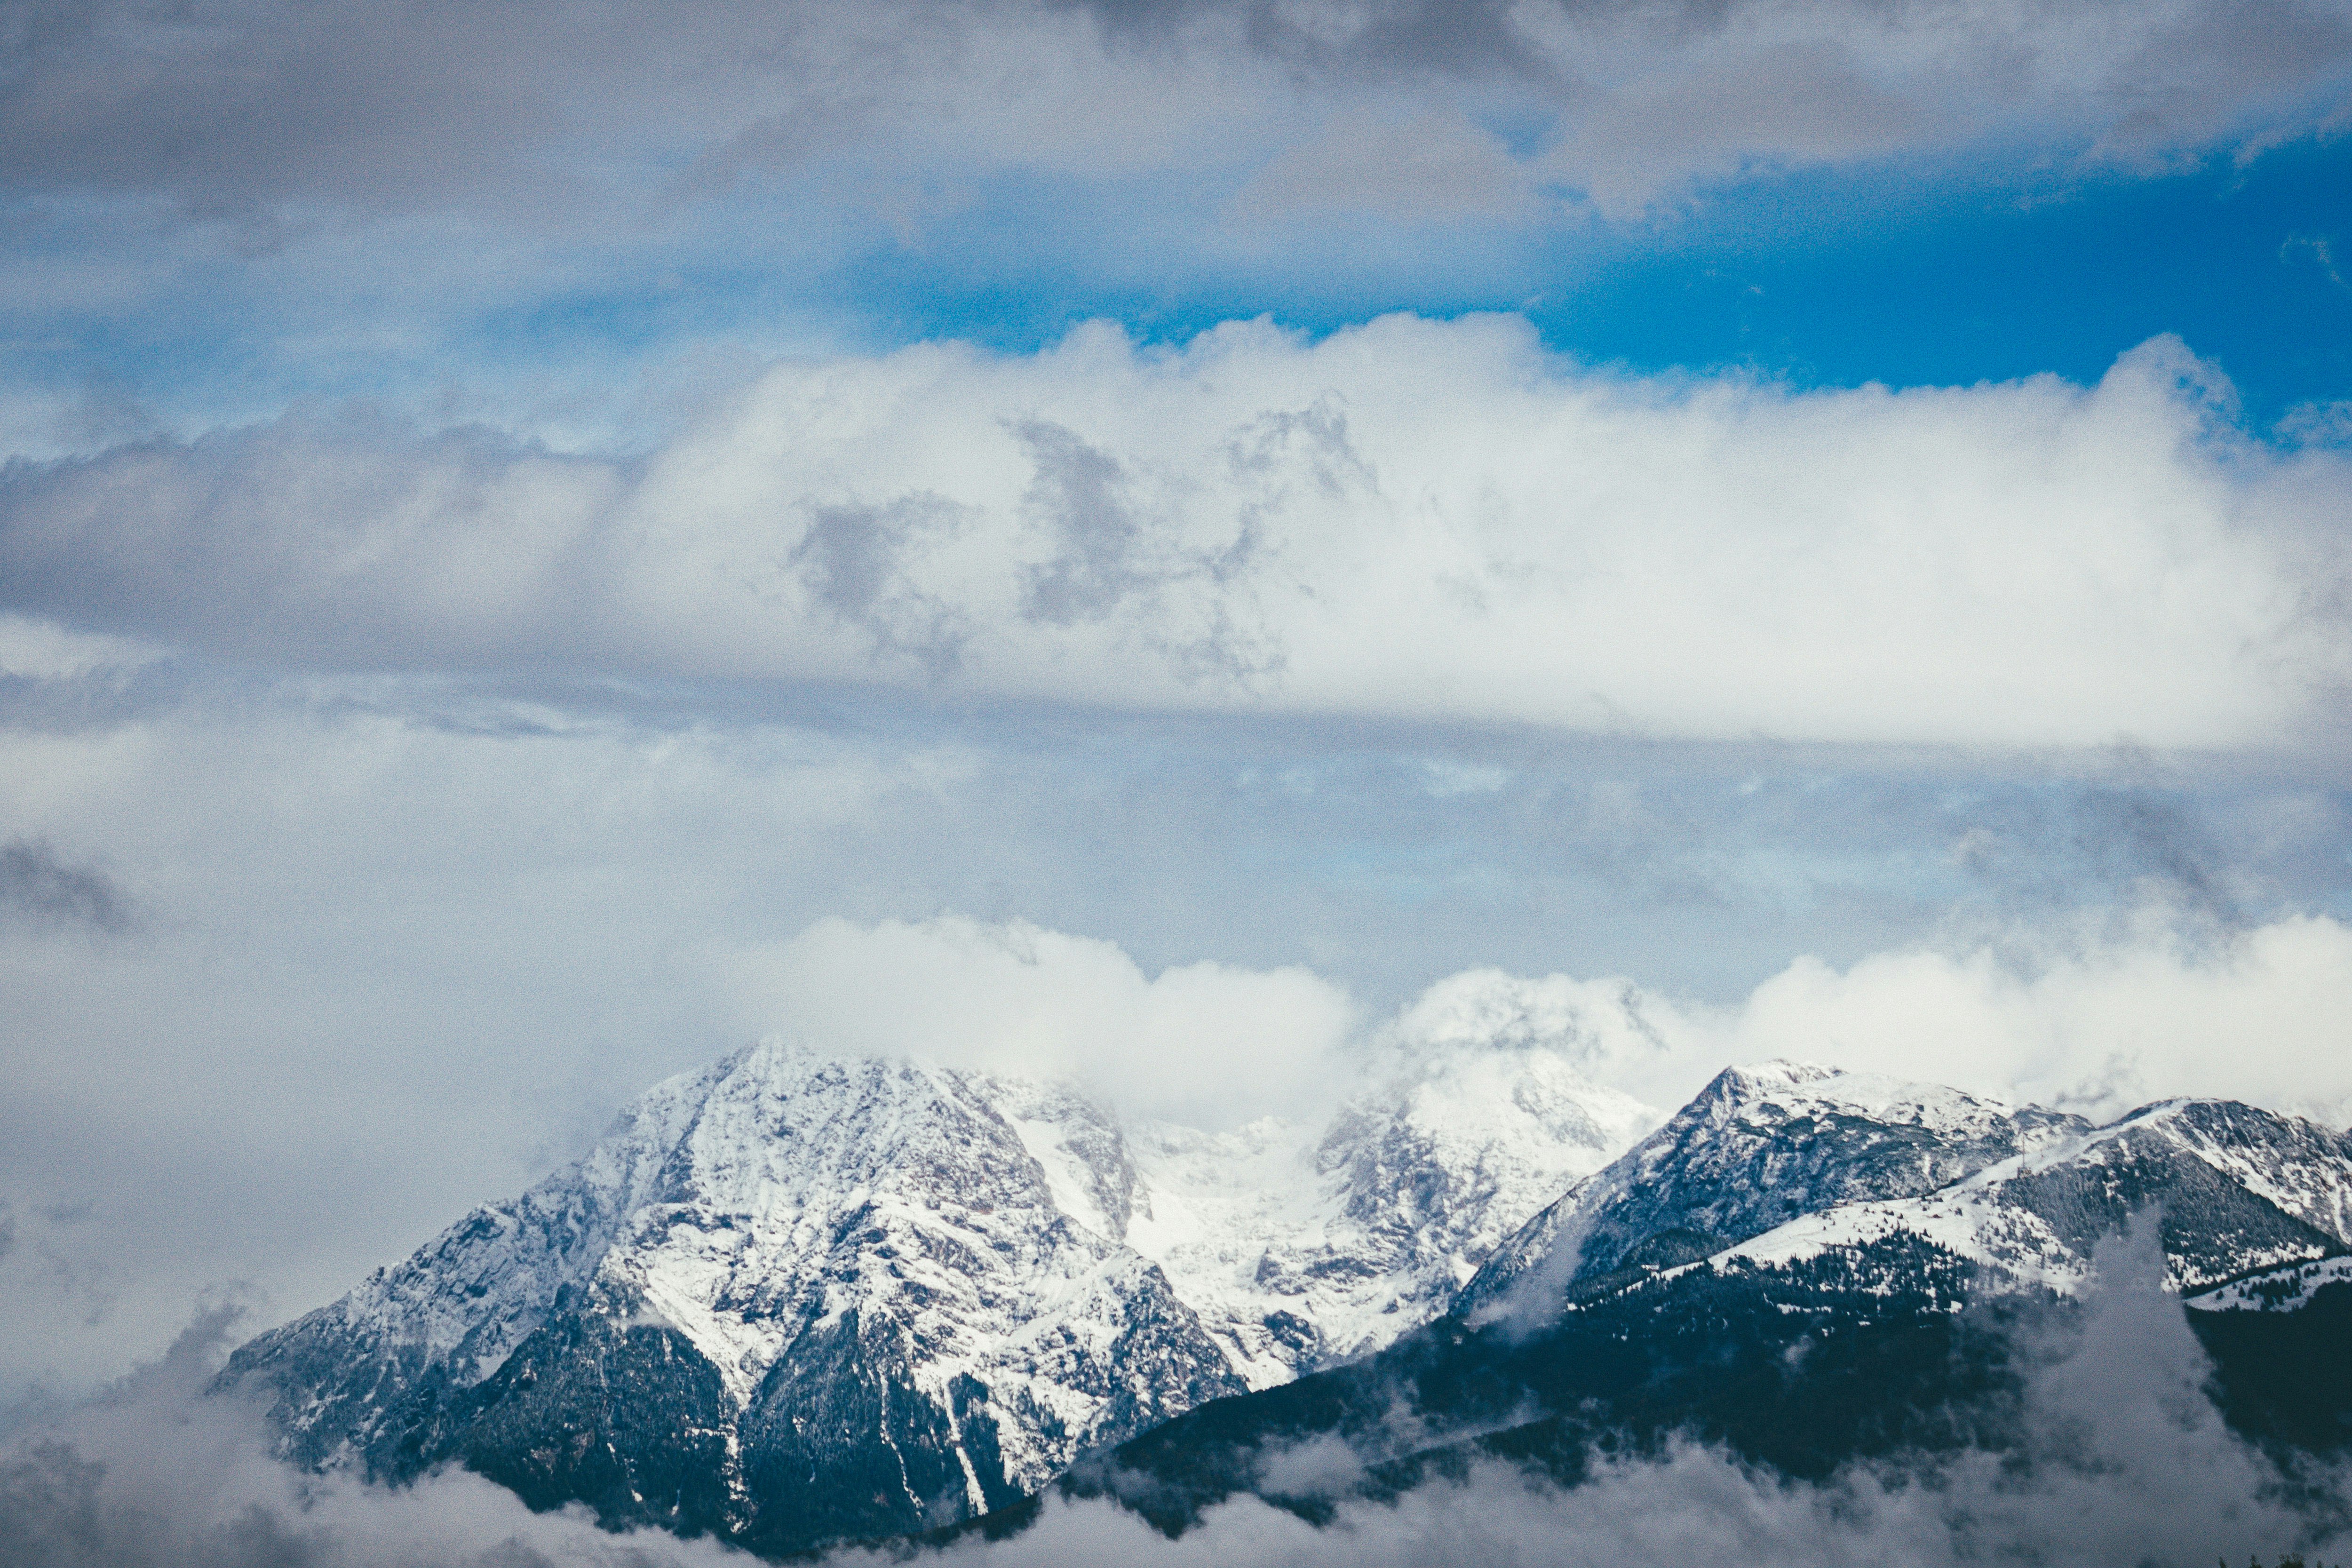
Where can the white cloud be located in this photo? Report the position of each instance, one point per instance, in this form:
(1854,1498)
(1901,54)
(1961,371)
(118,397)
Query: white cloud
(1205,1043)
(2098,1025)
(43,650)
(2263,1015)
(1609,1030)
(1411,519)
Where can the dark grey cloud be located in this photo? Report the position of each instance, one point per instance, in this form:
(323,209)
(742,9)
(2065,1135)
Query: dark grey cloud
(2212,61)
(2156,839)
(36,884)
(231,108)
(1462,38)
(2123,843)
(853,561)
(1110,554)
(1079,495)
(2192,66)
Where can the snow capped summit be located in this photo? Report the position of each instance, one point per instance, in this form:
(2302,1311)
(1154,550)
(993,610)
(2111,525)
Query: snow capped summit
(798,1298)
(884,1313)
(2237,1189)
(1759,1146)
(1784,1268)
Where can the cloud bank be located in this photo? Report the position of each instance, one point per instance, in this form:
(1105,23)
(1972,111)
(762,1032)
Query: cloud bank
(1414,520)
(1203,1043)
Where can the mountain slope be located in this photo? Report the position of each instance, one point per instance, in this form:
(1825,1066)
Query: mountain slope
(845,1287)
(2236,1190)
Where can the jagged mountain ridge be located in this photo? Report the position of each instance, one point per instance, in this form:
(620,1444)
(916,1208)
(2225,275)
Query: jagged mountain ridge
(2238,1190)
(843,1298)
(840,1294)
(1757,1147)
(1785,1161)
(1840,1225)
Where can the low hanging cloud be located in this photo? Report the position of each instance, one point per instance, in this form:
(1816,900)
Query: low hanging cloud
(1206,1044)
(154,1474)
(1411,519)
(2097,1024)
(37,886)
(2260,1015)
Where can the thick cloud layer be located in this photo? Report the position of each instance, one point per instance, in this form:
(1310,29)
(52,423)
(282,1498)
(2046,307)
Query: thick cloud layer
(2097,1022)
(1409,519)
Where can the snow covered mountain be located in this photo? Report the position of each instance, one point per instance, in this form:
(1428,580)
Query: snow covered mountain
(794,1299)
(2238,1190)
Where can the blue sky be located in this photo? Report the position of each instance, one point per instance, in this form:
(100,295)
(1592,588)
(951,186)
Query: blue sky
(1834,518)
(1909,272)
(204,234)
(1902,274)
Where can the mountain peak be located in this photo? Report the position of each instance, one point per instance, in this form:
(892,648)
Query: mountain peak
(853,1295)
(1759,1146)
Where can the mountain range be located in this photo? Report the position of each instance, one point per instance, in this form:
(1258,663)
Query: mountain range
(798,1298)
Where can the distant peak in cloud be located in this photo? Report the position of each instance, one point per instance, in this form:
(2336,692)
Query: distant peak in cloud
(2098,1023)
